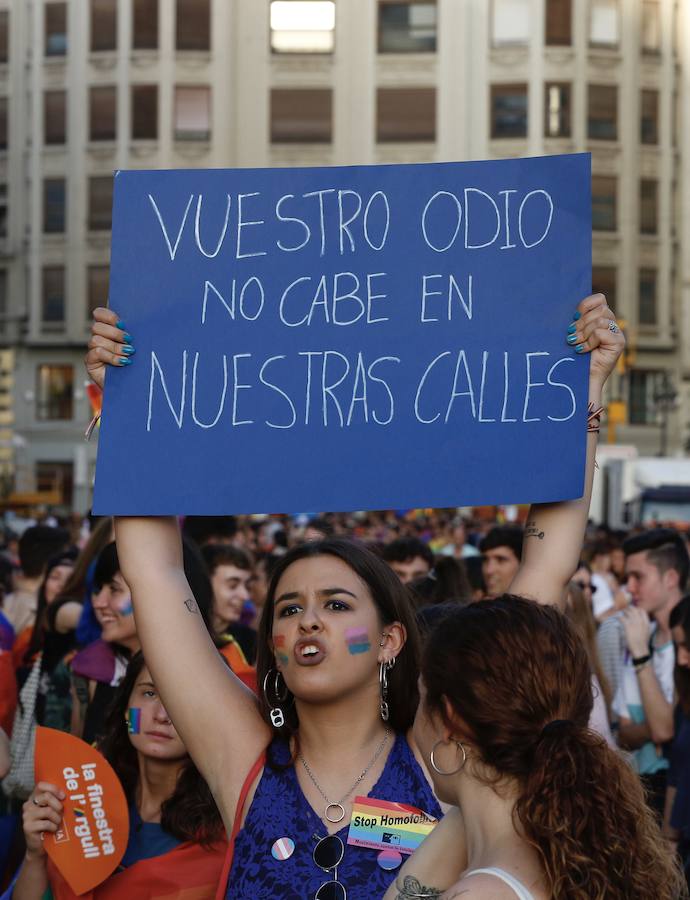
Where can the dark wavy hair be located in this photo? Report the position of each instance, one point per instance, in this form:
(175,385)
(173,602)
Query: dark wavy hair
(190,814)
(510,667)
(41,623)
(393,603)
(680,615)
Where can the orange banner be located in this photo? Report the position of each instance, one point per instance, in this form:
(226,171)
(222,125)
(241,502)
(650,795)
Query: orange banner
(93,835)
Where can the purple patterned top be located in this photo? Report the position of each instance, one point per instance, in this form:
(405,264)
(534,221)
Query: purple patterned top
(280,810)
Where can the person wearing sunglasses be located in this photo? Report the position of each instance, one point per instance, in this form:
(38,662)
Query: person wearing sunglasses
(337,671)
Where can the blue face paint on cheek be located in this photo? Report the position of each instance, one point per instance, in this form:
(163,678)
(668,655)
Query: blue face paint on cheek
(126,608)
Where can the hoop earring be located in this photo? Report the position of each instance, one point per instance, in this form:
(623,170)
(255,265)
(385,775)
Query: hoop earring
(276,713)
(384,668)
(439,771)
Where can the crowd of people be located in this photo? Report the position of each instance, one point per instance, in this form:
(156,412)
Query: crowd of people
(525,685)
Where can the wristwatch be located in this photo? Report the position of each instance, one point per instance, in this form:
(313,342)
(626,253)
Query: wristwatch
(641,660)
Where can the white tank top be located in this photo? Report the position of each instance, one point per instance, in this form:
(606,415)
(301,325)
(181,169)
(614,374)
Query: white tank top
(521,891)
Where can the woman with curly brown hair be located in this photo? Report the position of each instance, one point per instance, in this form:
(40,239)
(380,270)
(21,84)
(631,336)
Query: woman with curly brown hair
(544,808)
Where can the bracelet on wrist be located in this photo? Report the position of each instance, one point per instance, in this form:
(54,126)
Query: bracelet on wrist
(640,660)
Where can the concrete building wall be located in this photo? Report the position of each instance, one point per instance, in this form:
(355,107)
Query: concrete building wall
(475,49)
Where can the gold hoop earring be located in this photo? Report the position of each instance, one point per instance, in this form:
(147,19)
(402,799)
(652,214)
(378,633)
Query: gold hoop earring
(434,765)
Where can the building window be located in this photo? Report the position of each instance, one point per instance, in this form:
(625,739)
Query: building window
(145,112)
(602,119)
(54,392)
(648,206)
(4,35)
(55,29)
(407,27)
(103,25)
(510,22)
(193,25)
(192,113)
(102,113)
(649,117)
(56,478)
(651,26)
(54,202)
(3,123)
(98,281)
(645,387)
(53,299)
(145,25)
(405,114)
(646,310)
(604,24)
(3,210)
(559,23)
(557,112)
(54,117)
(604,282)
(3,296)
(301,116)
(100,202)
(302,26)
(508,110)
(603,203)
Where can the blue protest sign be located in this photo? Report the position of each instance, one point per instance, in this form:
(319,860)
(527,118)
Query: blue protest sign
(347,338)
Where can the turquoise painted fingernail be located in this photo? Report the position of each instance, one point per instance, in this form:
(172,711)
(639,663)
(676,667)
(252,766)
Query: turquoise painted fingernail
(120,324)
(579,349)
(127,350)
(577,315)
(125,361)
(127,338)
(572,339)
(571,328)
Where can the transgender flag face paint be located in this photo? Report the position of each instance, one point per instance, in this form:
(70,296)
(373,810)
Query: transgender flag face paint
(357,640)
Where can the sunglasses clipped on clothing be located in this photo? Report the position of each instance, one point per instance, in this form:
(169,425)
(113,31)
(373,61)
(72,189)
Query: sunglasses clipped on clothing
(328,854)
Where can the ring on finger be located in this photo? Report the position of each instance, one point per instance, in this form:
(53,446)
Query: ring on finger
(613,328)
(35,801)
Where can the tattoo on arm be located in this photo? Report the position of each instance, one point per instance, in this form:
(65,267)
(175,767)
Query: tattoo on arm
(411,889)
(531,530)
(190,603)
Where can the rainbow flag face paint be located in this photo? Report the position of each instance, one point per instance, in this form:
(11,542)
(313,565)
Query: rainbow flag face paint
(357,640)
(281,655)
(133,720)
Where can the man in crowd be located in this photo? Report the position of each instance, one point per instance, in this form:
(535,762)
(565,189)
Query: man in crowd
(638,654)
(409,558)
(501,552)
(230,572)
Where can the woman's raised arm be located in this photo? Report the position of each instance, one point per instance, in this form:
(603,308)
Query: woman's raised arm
(216,716)
(554,531)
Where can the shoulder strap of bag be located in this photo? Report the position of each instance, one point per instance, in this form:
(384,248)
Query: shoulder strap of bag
(227,865)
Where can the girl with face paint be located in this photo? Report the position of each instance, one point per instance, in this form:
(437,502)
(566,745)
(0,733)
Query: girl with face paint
(176,835)
(337,671)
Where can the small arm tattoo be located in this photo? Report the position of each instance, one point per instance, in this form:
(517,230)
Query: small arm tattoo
(412,889)
(191,605)
(531,530)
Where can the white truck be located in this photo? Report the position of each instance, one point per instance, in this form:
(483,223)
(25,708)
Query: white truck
(631,489)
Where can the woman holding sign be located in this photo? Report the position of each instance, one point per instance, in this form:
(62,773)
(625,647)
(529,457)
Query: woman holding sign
(336,662)
(176,838)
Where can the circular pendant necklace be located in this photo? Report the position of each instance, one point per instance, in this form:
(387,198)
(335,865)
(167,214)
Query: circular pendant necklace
(335,812)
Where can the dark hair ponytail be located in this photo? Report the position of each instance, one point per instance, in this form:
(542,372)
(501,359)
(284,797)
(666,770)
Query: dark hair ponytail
(518,677)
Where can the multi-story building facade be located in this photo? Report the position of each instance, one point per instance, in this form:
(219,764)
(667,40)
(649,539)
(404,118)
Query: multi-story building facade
(91,86)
